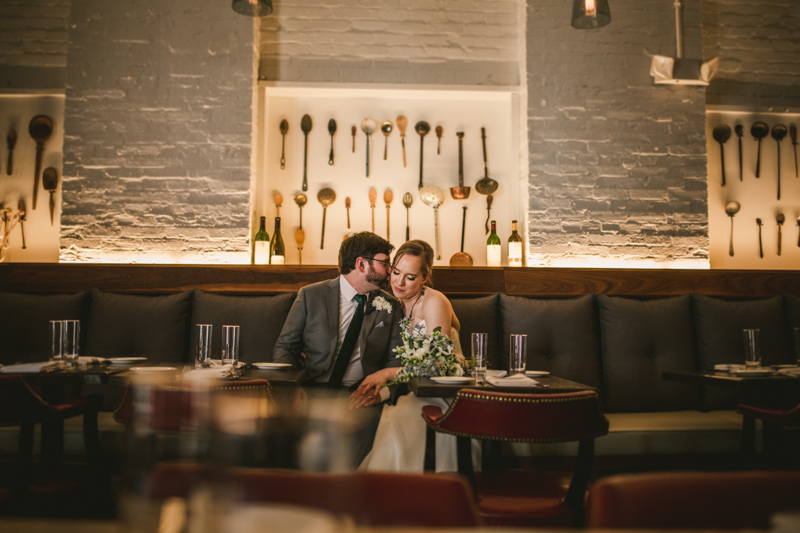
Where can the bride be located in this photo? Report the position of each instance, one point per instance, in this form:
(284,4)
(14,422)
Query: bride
(400,439)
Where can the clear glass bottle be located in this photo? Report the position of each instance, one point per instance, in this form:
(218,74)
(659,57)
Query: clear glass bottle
(261,244)
(493,248)
(514,247)
(277,255)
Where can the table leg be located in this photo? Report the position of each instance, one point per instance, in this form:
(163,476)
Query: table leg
(747,444)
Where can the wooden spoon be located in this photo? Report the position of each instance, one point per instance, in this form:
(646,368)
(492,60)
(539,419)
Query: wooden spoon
(300,239)
(780,218)
(739,129)
(731,209)
(301,200)
(353,130)
(386,128)
(439,132)
(489,200)
(347,206)
(778,133)
(721,134)
(11,139)
(407,201)
(760,242)
(759,130)
(387,198)
(373,197)
(326,197)
(50,182)
(22,214)
(284,130)
(278,199)
(305,125)
(40,128)
(422,128)
(402,124)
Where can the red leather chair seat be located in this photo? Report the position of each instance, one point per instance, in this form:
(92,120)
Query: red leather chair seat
(518,497)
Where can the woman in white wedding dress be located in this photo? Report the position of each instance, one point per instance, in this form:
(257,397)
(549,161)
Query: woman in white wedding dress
(400,439)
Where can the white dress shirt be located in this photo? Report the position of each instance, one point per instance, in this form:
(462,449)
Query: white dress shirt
(347,308)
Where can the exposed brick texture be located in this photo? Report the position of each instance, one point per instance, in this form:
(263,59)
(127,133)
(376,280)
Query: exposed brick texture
(158,126)
(617,165)
(759,48)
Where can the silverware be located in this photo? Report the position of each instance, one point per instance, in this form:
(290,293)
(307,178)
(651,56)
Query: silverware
(759,130)
(40,128)
(422,128)
(739,129)
(305,125)
(402,123)
(284,128)
(331,130)
(11,140)
(731,209)
(408,200)
(22,214)
(778,133)
(439,132)
(760,244)
(368,127)
(301,200)
(326,197)
(485,185)
(386,128)
(780,218)
(433,197)
(721,134)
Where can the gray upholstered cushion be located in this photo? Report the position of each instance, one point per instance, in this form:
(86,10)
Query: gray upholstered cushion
(156,327)
(562,335)
(25,320)
(478,315)
(260,319)
(718,326)
(641,339)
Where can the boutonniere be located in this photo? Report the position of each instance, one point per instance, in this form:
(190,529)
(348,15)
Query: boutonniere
(381,304)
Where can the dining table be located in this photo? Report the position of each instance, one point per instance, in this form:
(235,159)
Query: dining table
(549,384)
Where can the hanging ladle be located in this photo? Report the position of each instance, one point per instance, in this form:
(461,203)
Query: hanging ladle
(780,218)
(793,134)
(368,126)
(433,196)
(300,239)
(347,207)
(731,209)
(284,130)
(50,183)
(778,133)
(326,197)
(462,259)
(386,128)
(305,125)
(760,242)
(40,128)
(402,124)
(353,131)
(388,196)
(422,128)
(408,200)
(22,215)
(739,129)
(460,192)
(301,200)
(485,185)
(439,132)
(721,134)
(759,130)
(331,130)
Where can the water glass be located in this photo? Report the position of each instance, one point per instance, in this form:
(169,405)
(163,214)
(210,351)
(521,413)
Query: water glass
(55,340)
(517,354)
(70,339)
(479,342)
(230,345)
(797,345)
(752,348)
(202,353)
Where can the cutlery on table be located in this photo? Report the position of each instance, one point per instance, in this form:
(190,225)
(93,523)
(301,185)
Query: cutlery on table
(439,132)
(11,140)
(778,133)
(305,125)
(387,198)
(780,218)
(402,124)
(331,130)
(760,243)
(739,129)
(326,197)
(301,200)
(408,200)
(40,129)
(759,130)
(284,129)
(373,197)
(721,134)
(731,209)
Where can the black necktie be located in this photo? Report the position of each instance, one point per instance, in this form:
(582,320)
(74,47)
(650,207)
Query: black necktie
(349,344)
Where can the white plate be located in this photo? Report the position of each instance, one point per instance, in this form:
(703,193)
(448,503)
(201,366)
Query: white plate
(125,360)
(453,379)
(153,368)
(728,368)
(272,365)
(536,373)
(753,372)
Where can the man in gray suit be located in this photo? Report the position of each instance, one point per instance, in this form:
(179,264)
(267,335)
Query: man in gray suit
(344,329)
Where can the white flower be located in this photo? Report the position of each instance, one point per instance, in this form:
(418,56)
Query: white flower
(380,303)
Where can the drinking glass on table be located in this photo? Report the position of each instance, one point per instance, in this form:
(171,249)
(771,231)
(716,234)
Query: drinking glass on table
(230,346)
(479,341)
(517,354)
(70,340)
(752,348)
(202,354)
(55,340)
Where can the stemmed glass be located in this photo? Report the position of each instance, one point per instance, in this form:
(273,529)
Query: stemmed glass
(230,347)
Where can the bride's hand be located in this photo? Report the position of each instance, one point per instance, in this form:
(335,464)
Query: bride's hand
(376,381)
(358,400)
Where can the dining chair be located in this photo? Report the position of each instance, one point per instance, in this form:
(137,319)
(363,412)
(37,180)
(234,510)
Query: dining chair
(516,497)
(693,500)
(775,423)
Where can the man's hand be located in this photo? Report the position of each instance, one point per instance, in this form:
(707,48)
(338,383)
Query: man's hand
(302,359)
(359,399)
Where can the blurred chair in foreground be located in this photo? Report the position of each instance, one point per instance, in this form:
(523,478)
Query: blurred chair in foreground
(516,497)
(693,500)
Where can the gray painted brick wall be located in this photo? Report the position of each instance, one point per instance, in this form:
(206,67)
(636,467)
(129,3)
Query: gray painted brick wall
(158,126)
(617,165)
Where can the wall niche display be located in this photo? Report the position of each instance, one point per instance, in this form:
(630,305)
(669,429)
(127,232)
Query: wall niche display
(449,111)
(757,196)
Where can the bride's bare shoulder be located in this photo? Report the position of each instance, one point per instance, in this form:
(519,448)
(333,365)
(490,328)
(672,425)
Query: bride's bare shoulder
(436,298)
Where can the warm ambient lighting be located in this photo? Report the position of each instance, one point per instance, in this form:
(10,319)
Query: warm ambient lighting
(253,8)
(590,14)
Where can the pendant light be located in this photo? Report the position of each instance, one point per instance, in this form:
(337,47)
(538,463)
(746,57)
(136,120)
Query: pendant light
(590,14)
(253,8)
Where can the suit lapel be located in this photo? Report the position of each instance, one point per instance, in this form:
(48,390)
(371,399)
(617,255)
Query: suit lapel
(332,302)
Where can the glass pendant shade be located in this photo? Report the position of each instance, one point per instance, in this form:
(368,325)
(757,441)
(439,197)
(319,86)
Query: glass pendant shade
(253,8)
(590,14)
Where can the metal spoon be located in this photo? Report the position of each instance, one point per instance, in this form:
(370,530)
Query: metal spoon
(739,129)
(721,134)
(368,126)
(731,209)
(407,201)
(278,199)
(489,200)
(11,140)
(439,132)
(793,134)
(326,197)
(402,124)
(433,197)
(422,128)
(373,197)
(305,125)
(300,239)
(331,130)
(760,244)
(347,206)
(22,214)
(50,183)
(485,185)
(759,130)
(284,129)
(798,234)
(40,128)
(780,218)
(778,133)
(462,258)
(301,200)
(460,192)
(387,198)
(353,130)
(386,128)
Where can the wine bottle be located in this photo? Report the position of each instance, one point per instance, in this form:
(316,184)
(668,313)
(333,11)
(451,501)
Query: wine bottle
(514,247)
(493,248)
(277,254)
(261,244)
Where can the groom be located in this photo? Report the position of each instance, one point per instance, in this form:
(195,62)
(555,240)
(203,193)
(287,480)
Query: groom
(344,329)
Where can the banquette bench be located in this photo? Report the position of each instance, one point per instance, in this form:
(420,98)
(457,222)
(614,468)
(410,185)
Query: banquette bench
(616,330)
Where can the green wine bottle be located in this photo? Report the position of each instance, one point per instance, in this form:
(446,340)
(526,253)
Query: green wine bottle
(514,247)
(277,255)
(261,244)
(493,248)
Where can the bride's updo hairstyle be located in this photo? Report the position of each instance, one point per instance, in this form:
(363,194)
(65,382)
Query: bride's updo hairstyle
(422,250)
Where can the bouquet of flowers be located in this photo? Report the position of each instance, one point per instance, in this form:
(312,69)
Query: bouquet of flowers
(425,355)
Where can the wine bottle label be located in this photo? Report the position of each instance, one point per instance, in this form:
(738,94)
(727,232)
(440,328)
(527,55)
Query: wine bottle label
(515,254)
(262,253)
(493,253)
(278,260)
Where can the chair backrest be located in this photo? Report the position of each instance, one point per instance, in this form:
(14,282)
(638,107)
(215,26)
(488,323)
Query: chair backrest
(524,417)
(693,500)
(19,403)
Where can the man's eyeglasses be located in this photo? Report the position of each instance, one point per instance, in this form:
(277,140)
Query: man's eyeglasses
(385,262)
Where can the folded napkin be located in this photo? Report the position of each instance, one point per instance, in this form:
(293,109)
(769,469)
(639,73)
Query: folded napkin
(791,372)
(29,368)
(213,372)
(517,380)
(90,360)
(496,373)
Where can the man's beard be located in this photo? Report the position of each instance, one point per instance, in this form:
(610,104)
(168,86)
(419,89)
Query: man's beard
(376,279)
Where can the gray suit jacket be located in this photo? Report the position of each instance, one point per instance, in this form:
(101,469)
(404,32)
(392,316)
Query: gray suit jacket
(312,327)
